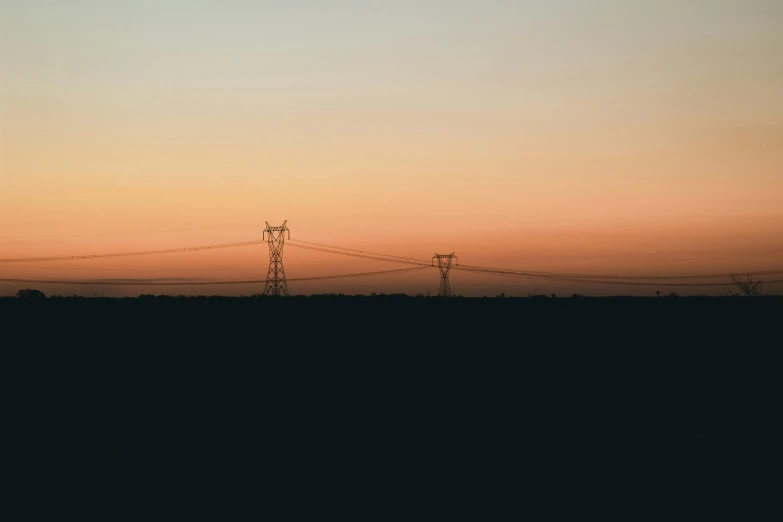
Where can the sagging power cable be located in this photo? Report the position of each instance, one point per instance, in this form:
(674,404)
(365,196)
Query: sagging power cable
(203,283)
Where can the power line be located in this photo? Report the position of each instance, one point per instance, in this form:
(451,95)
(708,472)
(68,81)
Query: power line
(639,280)
(360,274)
(631,280)
(244,224)
(608,276)
(310,246)
(75,268)
(376,257)
(205,283)
(404,258)
(321,247)
(132,254)
(594,281)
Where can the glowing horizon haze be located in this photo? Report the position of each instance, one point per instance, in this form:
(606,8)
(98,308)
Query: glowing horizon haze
(618,137)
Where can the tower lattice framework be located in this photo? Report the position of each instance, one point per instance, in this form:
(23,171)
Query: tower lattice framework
(275,277)
(444,264)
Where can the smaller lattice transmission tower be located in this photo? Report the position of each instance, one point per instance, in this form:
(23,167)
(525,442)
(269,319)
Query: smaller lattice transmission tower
(444,264)
(275,277)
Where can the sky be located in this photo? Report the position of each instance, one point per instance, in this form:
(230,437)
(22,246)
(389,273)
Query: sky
(613,137)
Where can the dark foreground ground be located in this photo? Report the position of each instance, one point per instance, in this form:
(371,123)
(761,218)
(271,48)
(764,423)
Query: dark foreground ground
(170,407)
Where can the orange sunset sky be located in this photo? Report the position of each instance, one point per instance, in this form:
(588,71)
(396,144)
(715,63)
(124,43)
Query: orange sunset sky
(612,137)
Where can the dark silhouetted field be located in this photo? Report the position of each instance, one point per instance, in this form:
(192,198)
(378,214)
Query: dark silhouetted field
(220,405)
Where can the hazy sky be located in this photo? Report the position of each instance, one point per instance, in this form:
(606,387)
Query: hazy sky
(613,136)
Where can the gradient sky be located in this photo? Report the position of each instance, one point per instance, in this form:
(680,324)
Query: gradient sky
(606,136)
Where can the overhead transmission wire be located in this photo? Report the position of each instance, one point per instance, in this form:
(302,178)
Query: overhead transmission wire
(637,280)
(373,256)
(418,264)
(594,281)
(315,247)
(641,280)
(359,274)
(630,280)
(332,247)
(206,283)
(608,276)
(132,254)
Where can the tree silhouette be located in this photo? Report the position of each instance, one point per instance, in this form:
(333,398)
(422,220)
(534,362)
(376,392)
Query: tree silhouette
(30,294)
(746,285)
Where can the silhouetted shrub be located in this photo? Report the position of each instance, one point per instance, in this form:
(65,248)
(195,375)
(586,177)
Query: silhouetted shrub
(30,294)
(747,285)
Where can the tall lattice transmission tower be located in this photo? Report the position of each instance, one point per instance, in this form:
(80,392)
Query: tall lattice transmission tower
(444,264)
(275,278)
